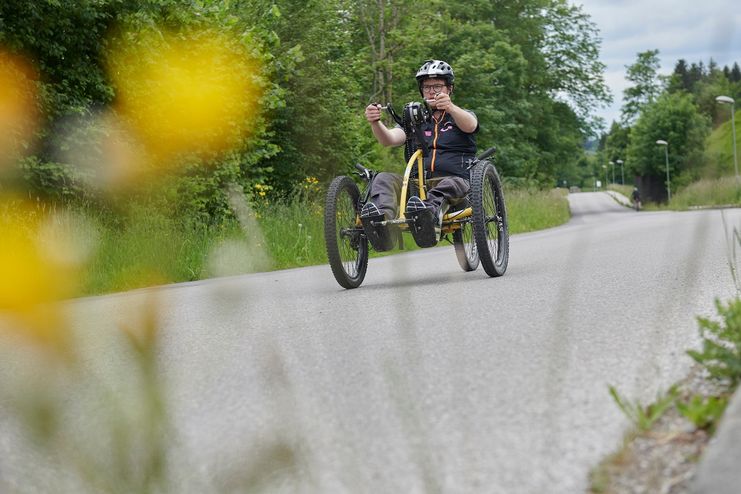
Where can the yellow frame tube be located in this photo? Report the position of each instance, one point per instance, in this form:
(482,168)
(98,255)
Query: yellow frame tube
(417,156)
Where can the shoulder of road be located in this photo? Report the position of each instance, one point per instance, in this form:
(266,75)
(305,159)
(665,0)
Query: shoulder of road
(718,471)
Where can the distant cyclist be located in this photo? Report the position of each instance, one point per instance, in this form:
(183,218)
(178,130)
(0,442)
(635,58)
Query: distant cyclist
(636,197)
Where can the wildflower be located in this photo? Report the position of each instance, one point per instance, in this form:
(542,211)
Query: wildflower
(194,92)
(39,261)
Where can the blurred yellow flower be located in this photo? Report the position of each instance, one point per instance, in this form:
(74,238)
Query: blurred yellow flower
(191,92)
(18,112)
(39,265)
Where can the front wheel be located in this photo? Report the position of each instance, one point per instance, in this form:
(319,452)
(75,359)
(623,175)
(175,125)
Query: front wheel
(490,228)
(347,246)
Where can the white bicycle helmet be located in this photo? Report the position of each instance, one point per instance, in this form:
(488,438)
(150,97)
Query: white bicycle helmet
(435,68)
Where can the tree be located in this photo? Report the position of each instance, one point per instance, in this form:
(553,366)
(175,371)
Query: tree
(696,74)
(616,144)
(646,86)
(529,69)
(675,119)
(572,66)
(735,73)
(680,78)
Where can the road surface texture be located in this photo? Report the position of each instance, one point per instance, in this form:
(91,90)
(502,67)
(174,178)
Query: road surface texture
(425,379)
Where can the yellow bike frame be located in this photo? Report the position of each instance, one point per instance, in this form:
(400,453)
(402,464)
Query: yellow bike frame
(451,221)
(416,157)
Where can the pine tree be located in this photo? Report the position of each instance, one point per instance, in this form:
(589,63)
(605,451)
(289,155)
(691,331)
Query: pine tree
(735,73)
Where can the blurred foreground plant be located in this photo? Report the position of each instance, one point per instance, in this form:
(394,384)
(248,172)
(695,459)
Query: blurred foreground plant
(40,259)
(644,416)
(721,343)
(18,113)
(93,405)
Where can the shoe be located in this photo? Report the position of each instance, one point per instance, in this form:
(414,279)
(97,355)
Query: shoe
(425,223)
(379,236)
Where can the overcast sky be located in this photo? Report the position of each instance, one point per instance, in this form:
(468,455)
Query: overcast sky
(695,30)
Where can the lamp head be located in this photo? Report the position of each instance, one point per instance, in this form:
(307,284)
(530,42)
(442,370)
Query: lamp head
(725,100)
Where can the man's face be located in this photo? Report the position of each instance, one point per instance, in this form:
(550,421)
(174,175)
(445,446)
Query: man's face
(432,87)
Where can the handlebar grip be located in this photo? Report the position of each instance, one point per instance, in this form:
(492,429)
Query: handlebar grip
(486,154)
(361,168)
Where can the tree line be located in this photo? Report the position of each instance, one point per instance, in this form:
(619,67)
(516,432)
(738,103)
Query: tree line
(680,109)
(529,69)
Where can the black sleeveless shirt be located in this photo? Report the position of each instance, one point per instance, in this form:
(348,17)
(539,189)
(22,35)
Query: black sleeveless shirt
(449,147)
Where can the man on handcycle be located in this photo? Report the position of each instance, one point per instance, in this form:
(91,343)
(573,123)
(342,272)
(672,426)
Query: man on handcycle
(450,139)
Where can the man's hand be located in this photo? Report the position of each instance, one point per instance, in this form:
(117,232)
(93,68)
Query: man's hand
(373,112)
(384,135)
(463,119)
(441,102)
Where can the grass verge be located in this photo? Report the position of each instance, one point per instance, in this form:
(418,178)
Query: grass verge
(708,192)
(532,209)
(143,246)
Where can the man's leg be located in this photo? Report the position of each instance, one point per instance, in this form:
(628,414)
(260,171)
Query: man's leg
(382,205)
(428,214)
(447,191)
(385,193)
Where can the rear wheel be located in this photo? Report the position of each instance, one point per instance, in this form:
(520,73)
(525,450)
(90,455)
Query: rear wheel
(490,229)
(465,247)
(347,247)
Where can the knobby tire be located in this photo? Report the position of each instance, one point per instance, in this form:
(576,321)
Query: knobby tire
(490,227)
(347,247)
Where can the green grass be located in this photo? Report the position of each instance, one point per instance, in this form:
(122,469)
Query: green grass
(294,232)
(149,248)
(719,150)
(532,209)
(708,192)
(144,247)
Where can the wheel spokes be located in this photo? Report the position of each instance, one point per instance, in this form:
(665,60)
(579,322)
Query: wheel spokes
(347,235)
(492,216)
(469,245)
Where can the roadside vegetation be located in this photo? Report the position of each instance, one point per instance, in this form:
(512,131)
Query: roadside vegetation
(662,450)
(148,247)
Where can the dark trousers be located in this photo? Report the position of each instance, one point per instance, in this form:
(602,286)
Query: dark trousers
(386,189)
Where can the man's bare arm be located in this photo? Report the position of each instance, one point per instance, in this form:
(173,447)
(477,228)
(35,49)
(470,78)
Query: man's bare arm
(384,135)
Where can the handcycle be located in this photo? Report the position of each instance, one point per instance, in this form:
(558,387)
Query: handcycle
(478,226)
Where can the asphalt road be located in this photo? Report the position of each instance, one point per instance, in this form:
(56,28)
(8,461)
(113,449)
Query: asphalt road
(426,378)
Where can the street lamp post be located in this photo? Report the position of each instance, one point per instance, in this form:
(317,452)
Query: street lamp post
(666,155)
(622,171)
(613,171)
(726,100)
